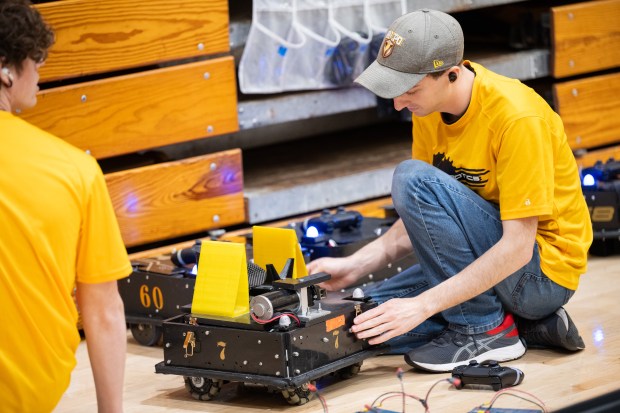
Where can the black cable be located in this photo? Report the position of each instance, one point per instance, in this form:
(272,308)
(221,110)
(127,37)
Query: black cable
(399,374)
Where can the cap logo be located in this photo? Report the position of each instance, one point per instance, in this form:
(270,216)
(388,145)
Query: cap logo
(392,39)
(437,63)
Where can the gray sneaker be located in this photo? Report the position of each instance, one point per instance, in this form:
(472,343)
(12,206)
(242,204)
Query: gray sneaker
(452,349)
(556,330)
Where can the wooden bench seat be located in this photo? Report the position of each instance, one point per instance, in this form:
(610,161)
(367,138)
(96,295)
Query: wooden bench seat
(591,157)
(124,114)
(585,37)
(589,110)
(107,35)
(172,199)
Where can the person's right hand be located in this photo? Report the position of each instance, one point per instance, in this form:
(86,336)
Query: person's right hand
(344,272)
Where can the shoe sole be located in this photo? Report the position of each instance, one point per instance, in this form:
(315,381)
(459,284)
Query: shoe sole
(512,352)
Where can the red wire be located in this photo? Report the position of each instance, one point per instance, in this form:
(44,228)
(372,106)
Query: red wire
(259,321)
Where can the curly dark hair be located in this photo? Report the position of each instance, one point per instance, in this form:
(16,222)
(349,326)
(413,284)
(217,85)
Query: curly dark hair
(23,34)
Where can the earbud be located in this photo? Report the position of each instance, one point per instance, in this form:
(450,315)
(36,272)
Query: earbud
(452,77)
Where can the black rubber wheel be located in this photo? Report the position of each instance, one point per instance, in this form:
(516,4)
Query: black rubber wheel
(297,395)
(146,334)
(202,388)
(349,371)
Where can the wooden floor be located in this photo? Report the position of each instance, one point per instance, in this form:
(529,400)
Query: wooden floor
(558,379)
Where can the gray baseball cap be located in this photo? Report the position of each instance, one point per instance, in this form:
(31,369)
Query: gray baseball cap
(417,43)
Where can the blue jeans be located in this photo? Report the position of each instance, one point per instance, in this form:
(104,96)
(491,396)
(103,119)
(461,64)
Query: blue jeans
(450,226)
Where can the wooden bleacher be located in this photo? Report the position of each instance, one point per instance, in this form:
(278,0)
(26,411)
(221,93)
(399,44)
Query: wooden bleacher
(585,43)
(125,77)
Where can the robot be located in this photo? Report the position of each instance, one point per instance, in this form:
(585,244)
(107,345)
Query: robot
(601,189)
(159,287)
(292,335)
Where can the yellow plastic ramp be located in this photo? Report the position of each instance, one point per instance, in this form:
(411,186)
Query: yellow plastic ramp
(222,281)
(275,246)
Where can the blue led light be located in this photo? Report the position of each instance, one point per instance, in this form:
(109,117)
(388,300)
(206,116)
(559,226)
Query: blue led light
(312,232)
(588,180)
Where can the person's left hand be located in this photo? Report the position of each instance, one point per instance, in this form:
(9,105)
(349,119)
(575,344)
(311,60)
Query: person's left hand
(390,319)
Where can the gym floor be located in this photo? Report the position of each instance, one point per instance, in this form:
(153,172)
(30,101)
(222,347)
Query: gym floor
(555,378)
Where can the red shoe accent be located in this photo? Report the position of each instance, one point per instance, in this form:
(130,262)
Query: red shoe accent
(507,323)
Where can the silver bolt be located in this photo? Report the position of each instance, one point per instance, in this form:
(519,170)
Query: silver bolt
(178,307)
(578,139)
(213,166)
(571,63)
(399,269)
(245,362)
(201,46)
(168,345)
(571,16)
(325,340)
(168,361)
(259,342)
(209,129)
(147,277)
(83,98)
(301,337)
(207,333)
(184,334)
(389,265)
(277,373)
(277,356)
(186,285)
(216,218)
(128,280)
(370,276)
(296,354)
(206,75)
(87,151)
(241,109)
(260,363)
(297,371)
(575,92)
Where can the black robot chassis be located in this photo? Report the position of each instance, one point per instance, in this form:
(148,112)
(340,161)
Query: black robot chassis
(293,336)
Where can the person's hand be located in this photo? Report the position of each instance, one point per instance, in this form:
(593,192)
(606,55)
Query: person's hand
(390,319)
(342,270)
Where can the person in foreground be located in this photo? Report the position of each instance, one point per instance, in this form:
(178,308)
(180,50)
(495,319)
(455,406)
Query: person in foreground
(59,232)
(491,204)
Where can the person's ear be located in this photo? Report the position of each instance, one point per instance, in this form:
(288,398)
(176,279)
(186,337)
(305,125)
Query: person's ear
(6,77)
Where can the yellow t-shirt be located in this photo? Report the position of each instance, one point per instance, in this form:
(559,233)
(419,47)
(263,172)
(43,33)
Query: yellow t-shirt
(57,226)
(510,147)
